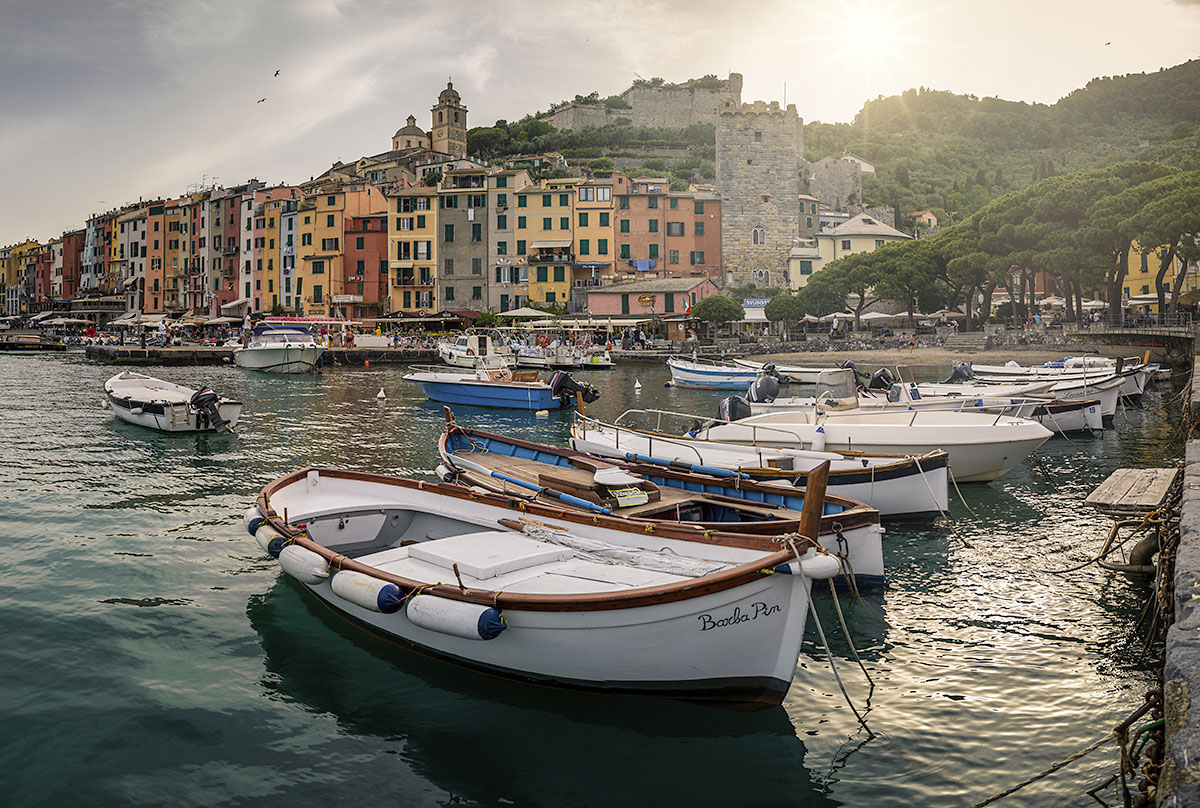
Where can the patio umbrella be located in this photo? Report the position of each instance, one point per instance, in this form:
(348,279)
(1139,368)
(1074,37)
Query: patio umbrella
(1094,304)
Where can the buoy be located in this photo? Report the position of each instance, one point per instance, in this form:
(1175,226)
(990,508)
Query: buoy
(366,363)
(637,385)
(668,384)
(542,413)
(380,394)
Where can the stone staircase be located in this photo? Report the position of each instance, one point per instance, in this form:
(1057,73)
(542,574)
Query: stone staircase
(967,341)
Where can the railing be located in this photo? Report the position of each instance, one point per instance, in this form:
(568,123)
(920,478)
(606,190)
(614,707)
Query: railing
(1183,321)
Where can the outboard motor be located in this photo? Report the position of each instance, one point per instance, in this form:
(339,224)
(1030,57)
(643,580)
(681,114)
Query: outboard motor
(733,408)
(763,390)
(961,374)
(849,365)
(769,370)
(208,413)
(563,385)
(882,379)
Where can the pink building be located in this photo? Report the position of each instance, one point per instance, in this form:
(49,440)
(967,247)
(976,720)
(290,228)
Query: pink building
(664,296)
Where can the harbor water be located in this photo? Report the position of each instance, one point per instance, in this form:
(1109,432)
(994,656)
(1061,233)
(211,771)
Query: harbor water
(152,655)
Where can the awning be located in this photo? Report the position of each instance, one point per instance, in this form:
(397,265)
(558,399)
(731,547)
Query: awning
(223,321)
(43,315)
(130,282)
(755,315)
(550,243)
(524,311)
(241,301)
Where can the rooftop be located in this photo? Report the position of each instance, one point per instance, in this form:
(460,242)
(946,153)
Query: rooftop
(659,285)
(864,225)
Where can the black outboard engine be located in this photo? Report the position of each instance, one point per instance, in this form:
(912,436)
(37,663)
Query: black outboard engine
(881,379)
(563,385)
(733,408)
(769,370)
(763,390)
(962,373)
(205,404)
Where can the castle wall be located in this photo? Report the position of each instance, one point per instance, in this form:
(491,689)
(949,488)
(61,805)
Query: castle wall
(661,107)
(836,182)
(759,147)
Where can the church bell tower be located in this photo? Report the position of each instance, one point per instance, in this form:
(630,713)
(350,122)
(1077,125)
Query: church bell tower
(450,123)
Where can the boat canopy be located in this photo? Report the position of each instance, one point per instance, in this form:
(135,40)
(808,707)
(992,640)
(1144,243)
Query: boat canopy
(276,328)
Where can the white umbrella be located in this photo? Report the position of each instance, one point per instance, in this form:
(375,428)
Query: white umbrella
(840,315)
(876,316)
(524,311)
(1053,301)
(1094,304)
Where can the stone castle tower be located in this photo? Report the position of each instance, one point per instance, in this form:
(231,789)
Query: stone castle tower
(450,123)
(759,148)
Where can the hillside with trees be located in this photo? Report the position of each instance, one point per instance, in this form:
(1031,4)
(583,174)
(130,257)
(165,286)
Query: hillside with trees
(935,150)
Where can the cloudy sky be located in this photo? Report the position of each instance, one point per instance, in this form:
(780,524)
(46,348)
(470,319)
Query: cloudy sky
(106,101)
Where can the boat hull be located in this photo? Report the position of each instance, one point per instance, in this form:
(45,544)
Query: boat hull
(279,359)
(488,394)
(169,418)
(701,377)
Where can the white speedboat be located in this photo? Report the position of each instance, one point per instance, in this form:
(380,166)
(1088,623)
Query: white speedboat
(898,487)
(1136,374)
(1105,389)
(707,374)
(467,349)
(526,591)
(1066,417)
(907,397)
(981,446)
(279,349)
(169,407)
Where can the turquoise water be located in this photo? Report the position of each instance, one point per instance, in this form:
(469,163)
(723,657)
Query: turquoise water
(152,655)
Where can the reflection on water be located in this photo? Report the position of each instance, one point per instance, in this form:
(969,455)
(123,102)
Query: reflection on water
(153,654)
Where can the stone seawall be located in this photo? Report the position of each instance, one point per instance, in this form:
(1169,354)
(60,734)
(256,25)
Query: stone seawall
(1179,783)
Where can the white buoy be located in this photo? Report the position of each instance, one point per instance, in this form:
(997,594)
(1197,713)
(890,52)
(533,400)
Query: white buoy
(637,385)
(380,394)
(542,413)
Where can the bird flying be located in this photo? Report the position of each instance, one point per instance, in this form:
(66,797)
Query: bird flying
(276,72)
(260,100)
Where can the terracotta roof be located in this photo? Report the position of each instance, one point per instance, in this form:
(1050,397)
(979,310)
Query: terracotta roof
(657,285)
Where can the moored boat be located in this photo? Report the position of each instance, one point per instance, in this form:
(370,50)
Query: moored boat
(29,343)
(899,487)
(595,604)
(706,374)
(279,349)
(491,384)
(169,407)
(466,350)
(796,373)
(658,496)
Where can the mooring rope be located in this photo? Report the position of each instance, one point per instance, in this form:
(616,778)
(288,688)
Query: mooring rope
(933,496)
(1047,772)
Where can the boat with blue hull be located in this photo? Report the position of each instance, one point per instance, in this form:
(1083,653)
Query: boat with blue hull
(706,374)
(491,384)
(655,492)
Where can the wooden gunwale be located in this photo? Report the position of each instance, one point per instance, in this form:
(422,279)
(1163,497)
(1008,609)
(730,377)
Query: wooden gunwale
(592,601)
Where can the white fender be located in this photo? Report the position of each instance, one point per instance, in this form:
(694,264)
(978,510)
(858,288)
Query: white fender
(458,618)
(819,565)
(304,565)
(265,535)
(251,514)
(367,592)
(818,444)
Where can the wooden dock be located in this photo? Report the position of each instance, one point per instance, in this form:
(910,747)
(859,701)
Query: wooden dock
(1129,493)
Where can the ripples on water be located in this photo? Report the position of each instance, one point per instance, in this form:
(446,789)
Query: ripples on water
(152,655)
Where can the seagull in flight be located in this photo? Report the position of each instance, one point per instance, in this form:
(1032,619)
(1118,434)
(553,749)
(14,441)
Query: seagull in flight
(1106,43)
(259,101)
(276,72)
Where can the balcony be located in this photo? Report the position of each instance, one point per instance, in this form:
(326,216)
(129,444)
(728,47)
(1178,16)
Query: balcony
(230,249)
(551,258)
(346,298)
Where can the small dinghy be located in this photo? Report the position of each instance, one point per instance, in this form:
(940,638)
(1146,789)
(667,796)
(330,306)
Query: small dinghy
(657,495)
(899,487)
(168,407)
(599,605)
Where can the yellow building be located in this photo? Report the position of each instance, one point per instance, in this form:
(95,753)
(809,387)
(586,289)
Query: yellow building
(412,250)
(594,239)
(546,238)
(12,268)
(860,234)
(273,245)
(1142,271)
(320,272)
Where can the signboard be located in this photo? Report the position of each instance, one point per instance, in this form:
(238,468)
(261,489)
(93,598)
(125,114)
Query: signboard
(755,302)
(646,300)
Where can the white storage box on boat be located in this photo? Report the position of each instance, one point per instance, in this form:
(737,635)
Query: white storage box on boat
(304,565)
(367,592)
(470,621)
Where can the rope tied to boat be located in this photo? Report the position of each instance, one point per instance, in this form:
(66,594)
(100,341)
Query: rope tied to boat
(933,496)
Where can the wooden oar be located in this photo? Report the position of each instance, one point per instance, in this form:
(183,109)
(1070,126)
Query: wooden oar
(814,501)
(539,489)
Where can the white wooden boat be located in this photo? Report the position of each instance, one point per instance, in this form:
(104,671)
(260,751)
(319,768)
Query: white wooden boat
(796,373)
(657,496)
(898,487)
(903,398)
(1106,390)
(1068,417)
(591,604)
(706,374)
(1135,374)
(169,407)
(279,349)
(466,350)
